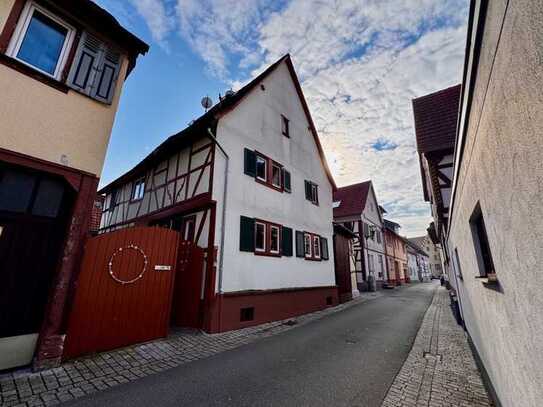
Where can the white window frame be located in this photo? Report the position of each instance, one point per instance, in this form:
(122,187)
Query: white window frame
(317,247)
(265,161)
(272,227)
(307,238)
(274,165)
(139,186)
(20,32)
(257,249)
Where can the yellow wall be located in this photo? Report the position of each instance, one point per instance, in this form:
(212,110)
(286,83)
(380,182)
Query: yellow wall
(43,122)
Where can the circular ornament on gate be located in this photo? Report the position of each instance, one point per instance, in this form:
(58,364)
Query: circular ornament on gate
(119,251)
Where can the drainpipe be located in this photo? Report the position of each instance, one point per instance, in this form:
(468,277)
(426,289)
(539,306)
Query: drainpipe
(223,220)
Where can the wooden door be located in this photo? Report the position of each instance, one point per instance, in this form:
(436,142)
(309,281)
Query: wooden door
(124,292)
(342,267)
(189,285)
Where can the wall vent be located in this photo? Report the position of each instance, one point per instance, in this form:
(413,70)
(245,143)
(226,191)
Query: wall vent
(247,314)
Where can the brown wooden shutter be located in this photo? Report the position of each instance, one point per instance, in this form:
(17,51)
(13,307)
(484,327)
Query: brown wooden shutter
(249,166)
(300,244)
(247,234)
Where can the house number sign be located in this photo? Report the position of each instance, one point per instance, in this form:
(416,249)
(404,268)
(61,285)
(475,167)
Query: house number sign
(119,251)
(160,267)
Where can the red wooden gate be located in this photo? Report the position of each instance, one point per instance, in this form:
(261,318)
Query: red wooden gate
(124,293)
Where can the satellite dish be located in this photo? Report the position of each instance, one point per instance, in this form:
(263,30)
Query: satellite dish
(206,102)
(229,93)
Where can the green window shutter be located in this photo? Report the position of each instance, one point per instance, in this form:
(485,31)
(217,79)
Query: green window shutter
(249,167)
(299,244)
(324,248)
(247,234)
(286,180)
(287,241)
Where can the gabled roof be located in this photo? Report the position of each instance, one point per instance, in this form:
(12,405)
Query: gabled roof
(436,116)
(353,199)
(199,127)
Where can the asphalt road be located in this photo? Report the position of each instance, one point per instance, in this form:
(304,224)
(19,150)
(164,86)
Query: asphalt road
(349,358)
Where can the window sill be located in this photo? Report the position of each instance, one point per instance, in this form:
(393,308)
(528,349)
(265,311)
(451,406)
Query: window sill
(28,71)
(489,279)
(269,185)
(267,254)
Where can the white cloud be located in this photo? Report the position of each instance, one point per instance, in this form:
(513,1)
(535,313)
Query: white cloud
(360,62)
(158,19)
(220,30)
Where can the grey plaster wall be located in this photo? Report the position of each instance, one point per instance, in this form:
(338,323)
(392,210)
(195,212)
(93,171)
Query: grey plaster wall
(502,169)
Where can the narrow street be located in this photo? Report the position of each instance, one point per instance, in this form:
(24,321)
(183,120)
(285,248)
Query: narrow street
(348,358)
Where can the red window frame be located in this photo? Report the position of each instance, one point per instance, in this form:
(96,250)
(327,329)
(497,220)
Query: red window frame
(269,173)
(267,239)
(312,254)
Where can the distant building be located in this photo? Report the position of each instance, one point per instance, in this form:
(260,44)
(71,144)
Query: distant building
(396,254)
(62,68)
(417,262)
(356,208)
(433,252)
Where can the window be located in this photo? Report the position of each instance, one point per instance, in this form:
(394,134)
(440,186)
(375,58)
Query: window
(276,175)
(285,126)
(260,237)
(312,192)
(188,228)
(266,171)
(41,41)
(274,239)
(378,235)
(480,240)
(311,246)
(307,246)
(317,247)
(139,189)
(261,168)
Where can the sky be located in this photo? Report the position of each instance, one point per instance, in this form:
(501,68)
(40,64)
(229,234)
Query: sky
(360,64)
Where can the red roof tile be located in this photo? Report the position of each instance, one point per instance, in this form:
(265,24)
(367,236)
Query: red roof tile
(353,199)
(436,117)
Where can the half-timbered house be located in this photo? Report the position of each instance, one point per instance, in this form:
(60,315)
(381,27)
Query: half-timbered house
(436,117)
(356,207)
(247,181)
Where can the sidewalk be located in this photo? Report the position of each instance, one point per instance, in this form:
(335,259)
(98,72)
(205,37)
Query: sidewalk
(97,372)
(440,369)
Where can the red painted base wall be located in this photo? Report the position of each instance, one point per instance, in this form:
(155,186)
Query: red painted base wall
(269,305)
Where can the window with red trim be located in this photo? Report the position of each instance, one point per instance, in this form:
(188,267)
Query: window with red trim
(312,246)
(267,238)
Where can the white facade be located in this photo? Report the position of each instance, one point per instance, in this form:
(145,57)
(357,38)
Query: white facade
(255,124)
(374,242)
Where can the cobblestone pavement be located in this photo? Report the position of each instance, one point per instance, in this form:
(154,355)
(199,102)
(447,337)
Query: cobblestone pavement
(87,375)
(440,369)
